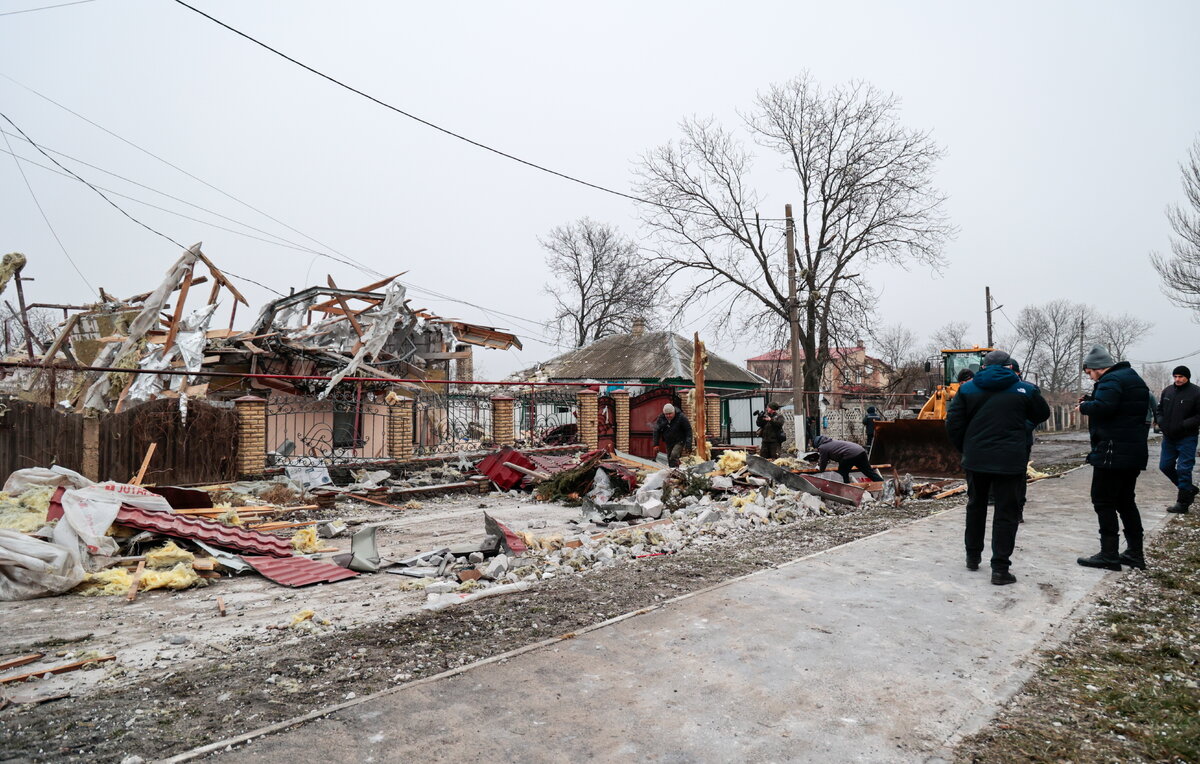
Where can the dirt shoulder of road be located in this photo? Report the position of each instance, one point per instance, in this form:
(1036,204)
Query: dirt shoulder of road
(279,674)
(1125,686)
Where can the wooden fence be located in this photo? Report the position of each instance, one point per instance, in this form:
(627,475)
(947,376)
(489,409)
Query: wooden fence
(199,447)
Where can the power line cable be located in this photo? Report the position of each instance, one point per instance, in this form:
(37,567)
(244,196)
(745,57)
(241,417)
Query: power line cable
(278,240)
(45,7)
(365,268)
(28,185)
(446,131)
(112,203)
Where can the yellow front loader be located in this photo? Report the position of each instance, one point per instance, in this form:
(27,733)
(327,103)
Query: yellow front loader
(921,446)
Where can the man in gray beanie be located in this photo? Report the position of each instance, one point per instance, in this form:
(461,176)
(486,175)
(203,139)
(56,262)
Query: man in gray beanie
(1116,411)
(987,422)
(1178,417)
(673,430)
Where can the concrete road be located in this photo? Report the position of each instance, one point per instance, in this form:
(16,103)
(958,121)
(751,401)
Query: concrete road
(883,650)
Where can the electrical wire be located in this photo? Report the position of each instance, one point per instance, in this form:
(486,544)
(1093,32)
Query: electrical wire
(351,261)
(46,7)
(28,185)
(446,131)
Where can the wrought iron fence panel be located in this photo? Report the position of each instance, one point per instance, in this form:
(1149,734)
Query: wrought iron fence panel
(449,422)
(348,428)
(546,417)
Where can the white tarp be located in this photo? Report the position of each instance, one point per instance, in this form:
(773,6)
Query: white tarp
(31,567)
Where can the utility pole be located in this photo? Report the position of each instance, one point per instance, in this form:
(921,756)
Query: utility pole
(799,405)
(1080,372)
(987,293)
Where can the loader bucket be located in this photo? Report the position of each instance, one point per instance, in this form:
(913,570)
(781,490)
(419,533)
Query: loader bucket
(916,446)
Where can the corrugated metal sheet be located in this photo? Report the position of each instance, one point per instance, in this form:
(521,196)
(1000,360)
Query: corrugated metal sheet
(298,571)
(208,531)
(653,355)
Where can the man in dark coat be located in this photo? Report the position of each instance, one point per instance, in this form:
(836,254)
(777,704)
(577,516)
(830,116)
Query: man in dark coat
(869,421)
(1178,417)
(987,423)
(674,431)
(849,456)
(1116,412)
(770,425)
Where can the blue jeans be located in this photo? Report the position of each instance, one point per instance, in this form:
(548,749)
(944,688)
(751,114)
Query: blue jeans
(1177,459)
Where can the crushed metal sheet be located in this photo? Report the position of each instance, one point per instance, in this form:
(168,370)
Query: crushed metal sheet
(179,526)
(298,571)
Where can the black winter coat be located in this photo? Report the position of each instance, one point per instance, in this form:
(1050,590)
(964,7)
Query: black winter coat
(988,421)
(1179,411)
(1116,412)
(772,427)
(671,431)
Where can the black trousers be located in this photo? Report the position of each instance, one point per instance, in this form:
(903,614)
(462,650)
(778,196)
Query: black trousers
(1009,490)
(1113,497)
(862,464)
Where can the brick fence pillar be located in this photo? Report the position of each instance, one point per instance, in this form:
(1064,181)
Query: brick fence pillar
(400,429)
(589,418)
(90,468)
(503,431)
(252,435)
(712,414)
(621,419)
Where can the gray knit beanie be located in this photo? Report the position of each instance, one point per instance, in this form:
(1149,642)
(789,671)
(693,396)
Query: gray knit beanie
(996,358)
(1098,358)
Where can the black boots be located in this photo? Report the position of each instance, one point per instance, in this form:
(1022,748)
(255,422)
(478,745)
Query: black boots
(1132,556)
(972,561)
(1002,577)
(1107,558)
(1183,500)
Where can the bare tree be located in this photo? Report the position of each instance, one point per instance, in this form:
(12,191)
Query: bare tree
(949,336)
(897,345)
(1180,272)
(1050,340)
(866,197)
(601,281)
(42,323)
(1117,333)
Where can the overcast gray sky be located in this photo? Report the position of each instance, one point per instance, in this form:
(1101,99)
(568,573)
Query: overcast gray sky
(1064,125)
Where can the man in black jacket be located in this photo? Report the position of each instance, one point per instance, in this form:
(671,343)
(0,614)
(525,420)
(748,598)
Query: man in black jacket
(674,431)
(1179,419)
(987,423)
(770,426)
(1116,411)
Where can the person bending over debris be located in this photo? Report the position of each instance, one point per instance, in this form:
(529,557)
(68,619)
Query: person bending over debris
(1116,412)
(848,455)
(770,427)
(986,422)
(674,431)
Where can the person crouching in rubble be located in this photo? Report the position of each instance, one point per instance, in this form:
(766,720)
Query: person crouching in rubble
(848,455)
(673,430)
(987,423)
(770,429)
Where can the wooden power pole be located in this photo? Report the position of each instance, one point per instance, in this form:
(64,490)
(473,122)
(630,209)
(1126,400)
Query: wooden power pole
(799,404)
(987,293)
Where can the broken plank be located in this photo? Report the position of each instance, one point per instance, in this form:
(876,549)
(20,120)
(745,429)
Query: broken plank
(525,471)
(62,669)
(951,492)
(221,606)
(141,473)
(220,277)
(368,288)
(372,501)
(341,301)
(137,579)
(14,662)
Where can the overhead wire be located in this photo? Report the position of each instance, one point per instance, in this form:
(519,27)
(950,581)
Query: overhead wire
(361,266)
(45,7)
(112,203)
(444,130)
(45,217)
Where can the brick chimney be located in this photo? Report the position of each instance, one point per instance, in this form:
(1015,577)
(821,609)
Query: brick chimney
(639,327)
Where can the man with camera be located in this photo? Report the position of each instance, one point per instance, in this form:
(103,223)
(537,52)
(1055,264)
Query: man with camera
(770,429)
(1116,411)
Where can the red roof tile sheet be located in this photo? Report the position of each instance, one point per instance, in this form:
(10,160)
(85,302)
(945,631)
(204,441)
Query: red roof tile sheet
(298,571)
(208,531)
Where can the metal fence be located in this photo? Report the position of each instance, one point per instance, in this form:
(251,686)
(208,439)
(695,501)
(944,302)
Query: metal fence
(349,427)
(451,422)
(546,417)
